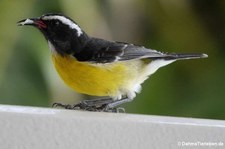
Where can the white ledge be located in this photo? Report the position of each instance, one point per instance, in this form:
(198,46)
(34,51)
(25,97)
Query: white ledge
(47,128)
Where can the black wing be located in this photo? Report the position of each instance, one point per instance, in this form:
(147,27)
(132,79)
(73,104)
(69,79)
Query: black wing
(103,51)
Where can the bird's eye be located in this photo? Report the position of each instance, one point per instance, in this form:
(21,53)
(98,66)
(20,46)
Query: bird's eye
(57,23)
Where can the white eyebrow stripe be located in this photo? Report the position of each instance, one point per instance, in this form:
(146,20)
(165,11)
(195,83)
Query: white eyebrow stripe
(66,21)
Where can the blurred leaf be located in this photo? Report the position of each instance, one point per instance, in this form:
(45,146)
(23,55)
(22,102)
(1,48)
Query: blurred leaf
(9,14)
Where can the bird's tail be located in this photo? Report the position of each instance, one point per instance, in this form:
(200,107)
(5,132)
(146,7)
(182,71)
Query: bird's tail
(176,56)
(166,59)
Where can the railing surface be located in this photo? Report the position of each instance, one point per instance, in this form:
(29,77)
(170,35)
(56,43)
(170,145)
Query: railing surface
(47,128)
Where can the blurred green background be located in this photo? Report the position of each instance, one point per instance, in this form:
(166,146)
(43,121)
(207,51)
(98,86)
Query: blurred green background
(193,88)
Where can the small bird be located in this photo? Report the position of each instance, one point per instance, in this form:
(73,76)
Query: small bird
(111,70)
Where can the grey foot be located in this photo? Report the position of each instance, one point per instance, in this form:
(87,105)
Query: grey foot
(100,105)
(85,107)
(89,105)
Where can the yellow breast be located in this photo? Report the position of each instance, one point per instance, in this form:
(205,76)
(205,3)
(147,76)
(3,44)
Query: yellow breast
(95,79)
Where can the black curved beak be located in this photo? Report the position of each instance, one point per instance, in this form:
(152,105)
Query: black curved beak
(37,22)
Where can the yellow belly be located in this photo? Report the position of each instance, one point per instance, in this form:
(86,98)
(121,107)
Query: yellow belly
(96,79)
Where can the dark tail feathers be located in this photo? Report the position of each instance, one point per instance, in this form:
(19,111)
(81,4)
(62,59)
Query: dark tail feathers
(175,56)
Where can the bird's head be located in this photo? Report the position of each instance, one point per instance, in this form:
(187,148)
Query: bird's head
(61,32)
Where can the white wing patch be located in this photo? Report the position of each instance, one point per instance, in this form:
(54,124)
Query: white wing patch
(66,21)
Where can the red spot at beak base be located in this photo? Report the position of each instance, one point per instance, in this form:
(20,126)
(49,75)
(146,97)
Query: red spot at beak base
(40,24)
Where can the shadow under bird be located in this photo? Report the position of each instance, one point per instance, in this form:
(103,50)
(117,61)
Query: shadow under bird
(93,66)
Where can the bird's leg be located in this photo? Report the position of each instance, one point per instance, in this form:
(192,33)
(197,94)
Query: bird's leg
(96,102)
(116,103)
(104,105)
(89,105)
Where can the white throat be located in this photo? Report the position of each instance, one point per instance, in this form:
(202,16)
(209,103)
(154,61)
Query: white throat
(51,47)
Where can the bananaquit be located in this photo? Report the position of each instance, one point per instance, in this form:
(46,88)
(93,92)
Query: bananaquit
(93,66)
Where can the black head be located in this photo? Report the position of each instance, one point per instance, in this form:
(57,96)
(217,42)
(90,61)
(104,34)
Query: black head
(62,33)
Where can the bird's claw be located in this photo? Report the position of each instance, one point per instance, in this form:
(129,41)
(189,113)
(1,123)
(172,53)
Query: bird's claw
(86,107)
